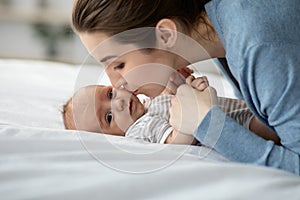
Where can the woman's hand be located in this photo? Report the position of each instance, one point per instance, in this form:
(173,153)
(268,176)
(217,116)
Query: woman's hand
(178,138)
(190,106)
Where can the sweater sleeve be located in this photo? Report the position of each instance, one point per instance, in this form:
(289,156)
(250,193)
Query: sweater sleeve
(262,51)
(270,84)
(236,143)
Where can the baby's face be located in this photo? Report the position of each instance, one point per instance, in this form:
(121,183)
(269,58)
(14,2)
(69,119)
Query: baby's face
(105,110)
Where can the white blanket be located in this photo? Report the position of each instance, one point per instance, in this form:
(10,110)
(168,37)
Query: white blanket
(40,160)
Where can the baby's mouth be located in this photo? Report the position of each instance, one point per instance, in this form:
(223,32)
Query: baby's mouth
(131,107)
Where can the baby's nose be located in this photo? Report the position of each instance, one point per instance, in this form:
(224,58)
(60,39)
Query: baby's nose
(118,104)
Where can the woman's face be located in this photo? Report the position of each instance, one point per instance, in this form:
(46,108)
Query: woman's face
(138,71)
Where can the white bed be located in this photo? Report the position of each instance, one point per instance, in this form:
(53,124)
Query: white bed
(40,160)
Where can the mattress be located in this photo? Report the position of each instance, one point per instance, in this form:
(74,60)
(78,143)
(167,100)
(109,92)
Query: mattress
(41,160)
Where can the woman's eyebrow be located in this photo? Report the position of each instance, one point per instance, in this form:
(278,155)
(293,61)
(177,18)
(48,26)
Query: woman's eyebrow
(107,58)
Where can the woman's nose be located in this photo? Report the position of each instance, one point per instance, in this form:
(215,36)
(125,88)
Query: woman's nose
(120,83)
(115,78)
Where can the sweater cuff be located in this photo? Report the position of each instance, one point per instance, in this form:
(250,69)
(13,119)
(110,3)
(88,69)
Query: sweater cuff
(210,129)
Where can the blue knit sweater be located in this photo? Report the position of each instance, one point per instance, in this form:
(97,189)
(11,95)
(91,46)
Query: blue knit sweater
(262,42)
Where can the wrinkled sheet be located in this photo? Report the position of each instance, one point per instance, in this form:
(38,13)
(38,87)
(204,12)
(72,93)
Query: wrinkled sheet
(40,160)
(37,163)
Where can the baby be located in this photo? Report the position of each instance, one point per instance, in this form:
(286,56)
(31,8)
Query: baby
(104,109)
(107,110)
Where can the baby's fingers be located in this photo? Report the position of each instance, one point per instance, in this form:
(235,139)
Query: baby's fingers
(185,71)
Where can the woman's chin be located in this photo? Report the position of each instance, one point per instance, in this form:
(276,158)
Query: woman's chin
(153,94)
(152,91)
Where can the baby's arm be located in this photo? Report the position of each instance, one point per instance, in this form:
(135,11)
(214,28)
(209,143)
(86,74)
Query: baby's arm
(242,114)
(176,79)
(176,137)
(263,131)
(239,111)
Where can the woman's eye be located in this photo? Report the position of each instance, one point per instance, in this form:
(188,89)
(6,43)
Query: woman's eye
(120,66)
(109,117)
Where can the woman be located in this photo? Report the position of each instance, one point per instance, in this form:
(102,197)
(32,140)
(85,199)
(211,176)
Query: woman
(260,41)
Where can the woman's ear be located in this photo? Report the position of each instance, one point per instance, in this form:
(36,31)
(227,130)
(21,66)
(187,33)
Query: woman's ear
(166,33)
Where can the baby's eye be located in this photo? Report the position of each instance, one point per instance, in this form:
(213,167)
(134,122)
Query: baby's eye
(109,117)
(110,94)
(120,66)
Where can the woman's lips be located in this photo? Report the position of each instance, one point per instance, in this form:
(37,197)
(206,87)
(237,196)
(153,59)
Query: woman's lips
(136,92)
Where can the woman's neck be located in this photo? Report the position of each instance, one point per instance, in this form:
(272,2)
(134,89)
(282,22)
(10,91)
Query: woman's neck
(209,40)
(202,44)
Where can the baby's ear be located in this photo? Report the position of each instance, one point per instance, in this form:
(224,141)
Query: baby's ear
(166,33)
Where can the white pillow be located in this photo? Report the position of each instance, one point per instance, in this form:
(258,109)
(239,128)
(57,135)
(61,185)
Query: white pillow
(32,92)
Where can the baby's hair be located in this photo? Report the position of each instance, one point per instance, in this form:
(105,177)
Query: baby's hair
(67,109)
(67,114)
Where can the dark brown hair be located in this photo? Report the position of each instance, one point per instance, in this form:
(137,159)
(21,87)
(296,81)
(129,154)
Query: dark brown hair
(115,16)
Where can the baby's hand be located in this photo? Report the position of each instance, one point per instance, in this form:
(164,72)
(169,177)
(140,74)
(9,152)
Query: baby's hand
(175,80)
(185,71)
(199,83)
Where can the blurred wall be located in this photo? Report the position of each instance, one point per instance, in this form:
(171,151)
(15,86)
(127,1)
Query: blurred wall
(39,29)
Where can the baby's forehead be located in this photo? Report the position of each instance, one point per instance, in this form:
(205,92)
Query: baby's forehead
(84,100)
(83,108)
(84,95)
(89,91)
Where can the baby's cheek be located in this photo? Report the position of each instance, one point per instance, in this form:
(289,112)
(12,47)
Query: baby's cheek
(123,120)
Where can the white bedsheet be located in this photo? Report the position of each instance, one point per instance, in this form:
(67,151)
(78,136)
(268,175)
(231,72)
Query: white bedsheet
(40,160)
